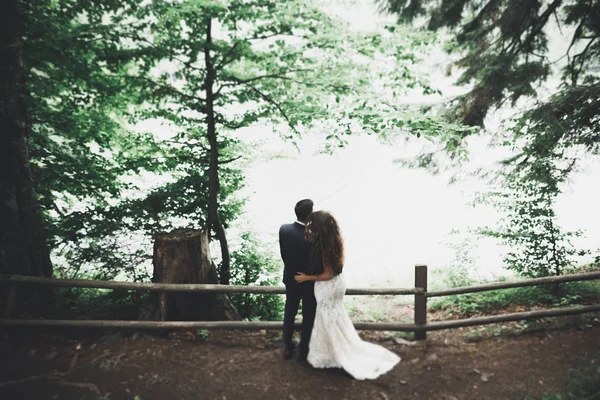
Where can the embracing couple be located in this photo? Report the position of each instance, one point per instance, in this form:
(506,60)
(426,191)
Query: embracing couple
(312,250)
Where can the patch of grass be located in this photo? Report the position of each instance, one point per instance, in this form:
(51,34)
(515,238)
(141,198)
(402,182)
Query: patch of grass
(550,295)
(404,335)
(369,308)
(403,299)
(485,331)
(202,334)
(502,330)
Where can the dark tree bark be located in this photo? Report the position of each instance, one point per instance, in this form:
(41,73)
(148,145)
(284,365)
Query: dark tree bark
(23,246)
(183,256)
(214,219)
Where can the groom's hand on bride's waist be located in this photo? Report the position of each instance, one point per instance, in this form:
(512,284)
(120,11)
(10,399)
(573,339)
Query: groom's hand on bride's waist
(301,277)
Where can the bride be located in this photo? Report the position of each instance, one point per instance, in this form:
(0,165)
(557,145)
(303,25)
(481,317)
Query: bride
(334,341)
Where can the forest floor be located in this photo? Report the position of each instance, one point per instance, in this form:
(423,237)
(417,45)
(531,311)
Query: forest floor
(483,363)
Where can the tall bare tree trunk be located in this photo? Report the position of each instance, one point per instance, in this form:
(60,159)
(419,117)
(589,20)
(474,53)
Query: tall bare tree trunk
(23,246)
(214,186)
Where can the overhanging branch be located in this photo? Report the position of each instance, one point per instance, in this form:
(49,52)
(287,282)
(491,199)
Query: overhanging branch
(168,88)
(229,160)
(233,81)
(278,106)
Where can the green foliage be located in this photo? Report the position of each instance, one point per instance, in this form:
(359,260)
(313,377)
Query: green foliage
(97,69)
(503,49)
(287,64)
(81,303)
(253,266)
(80,145)
(118,239)
(203,334)
(391,75)
(537,245)
(73,107)
(459,272)
(491,301)
(505,43)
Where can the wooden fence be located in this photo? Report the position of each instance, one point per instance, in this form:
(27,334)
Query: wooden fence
(420,327)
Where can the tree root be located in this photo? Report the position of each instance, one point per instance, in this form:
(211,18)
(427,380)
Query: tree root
(58,377)
(81,385)
(29,378)
(54,376)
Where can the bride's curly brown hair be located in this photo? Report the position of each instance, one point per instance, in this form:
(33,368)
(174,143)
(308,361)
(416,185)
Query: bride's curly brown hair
(326,243)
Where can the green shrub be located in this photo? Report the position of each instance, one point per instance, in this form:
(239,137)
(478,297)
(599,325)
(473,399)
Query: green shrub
(251,265)
(84,303)
(537,245)
(487,302)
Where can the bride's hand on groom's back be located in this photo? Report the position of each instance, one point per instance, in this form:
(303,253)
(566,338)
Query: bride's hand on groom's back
(301,277)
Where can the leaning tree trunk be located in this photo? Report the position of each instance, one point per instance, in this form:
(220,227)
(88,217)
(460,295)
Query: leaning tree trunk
(214,187)
(183,256)
(23,247)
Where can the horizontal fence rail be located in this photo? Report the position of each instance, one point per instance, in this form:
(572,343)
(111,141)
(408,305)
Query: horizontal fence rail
(166,325)
(512,284)
(419,327)
(185,287)
(519,316)
(259,325)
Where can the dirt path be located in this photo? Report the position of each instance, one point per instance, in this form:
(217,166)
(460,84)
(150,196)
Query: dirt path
(248,365)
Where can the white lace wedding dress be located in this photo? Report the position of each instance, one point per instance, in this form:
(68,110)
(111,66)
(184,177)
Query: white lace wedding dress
(334,341)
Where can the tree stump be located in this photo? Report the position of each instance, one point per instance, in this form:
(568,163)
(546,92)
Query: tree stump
(183,256)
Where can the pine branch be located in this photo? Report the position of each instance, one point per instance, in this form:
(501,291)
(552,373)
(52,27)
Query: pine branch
(576,35)
(543,20)
(581,57)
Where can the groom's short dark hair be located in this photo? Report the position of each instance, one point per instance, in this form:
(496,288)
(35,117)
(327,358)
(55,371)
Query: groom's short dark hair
(303,209)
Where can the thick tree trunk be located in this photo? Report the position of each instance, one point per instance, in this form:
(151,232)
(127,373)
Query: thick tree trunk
(214,186)
(183,256)
(23,247)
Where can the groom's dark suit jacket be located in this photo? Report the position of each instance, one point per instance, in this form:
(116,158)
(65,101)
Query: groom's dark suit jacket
(295,252)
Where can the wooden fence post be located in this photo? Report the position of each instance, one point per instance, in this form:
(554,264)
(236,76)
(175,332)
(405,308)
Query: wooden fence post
(421,300)
(10,300)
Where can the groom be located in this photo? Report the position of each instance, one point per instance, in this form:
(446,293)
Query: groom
(295,252)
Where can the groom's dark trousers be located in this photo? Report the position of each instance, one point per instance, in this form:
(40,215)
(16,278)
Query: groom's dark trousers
(295,252)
